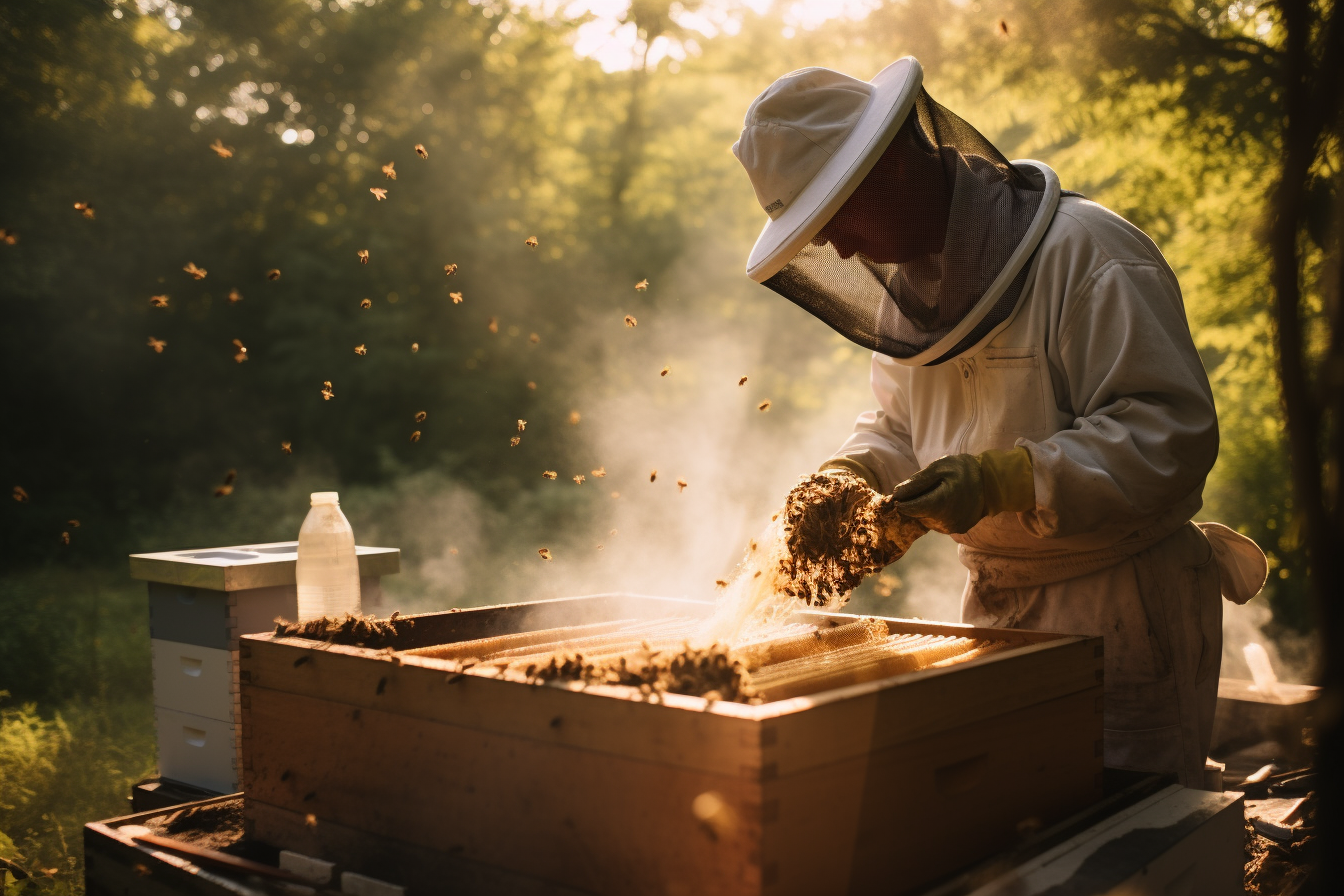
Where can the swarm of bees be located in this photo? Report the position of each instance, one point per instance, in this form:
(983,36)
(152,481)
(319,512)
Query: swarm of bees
(226,489)
(327,392)
(273,274)
(8,237)
(20,494)
(363,256)
(421,151)
(630,321)
(235,296)
(415,436)
(578,478)
(241,354)
(545,553)
(548,474)
(378,193)
(763,406)
(195,272)
(286,448)
(530,242)
(456,297)
(390,169)
(421,416)
(449,270)
(85,209)
(157,344)
(158,301)
(361,350)
(224,152)
(366,303)
(642,285)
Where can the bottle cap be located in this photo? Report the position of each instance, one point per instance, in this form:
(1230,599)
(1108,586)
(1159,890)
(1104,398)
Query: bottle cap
(325,498)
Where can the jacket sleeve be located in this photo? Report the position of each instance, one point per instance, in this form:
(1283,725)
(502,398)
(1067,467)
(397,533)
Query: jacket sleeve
(1145,432)
(881,438)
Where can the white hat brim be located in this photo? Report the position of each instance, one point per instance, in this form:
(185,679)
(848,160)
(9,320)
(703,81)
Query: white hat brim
(893,96)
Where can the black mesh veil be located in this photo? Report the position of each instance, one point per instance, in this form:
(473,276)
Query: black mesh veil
(948,211)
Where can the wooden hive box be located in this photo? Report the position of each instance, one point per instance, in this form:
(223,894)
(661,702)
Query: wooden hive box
(449,782)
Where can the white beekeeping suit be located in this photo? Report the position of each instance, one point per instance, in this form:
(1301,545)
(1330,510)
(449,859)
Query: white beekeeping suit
(1039,394)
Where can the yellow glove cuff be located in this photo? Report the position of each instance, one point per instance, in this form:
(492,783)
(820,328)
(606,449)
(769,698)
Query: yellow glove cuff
(853,466)
(1010,484)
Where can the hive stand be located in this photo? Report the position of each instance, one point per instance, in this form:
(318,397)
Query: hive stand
(200,603)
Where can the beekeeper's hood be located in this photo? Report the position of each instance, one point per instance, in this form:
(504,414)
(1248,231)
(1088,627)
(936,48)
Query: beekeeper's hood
(891,219)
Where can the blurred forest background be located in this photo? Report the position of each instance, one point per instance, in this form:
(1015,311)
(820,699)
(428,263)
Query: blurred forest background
(601,128)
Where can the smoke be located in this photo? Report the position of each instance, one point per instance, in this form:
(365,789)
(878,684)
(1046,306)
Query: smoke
(1294,656)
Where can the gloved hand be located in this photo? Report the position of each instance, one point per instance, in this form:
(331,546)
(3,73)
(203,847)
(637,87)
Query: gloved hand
(955,492)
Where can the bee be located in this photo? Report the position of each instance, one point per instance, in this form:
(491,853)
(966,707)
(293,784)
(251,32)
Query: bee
(530,242)
(226,489)
(390,170)
(195,272)
(681,485)
(753,545)
(665,371)
(73,524)
(531,385)
(513,442)
(421,416)
(600,473)
(599,547)
(758,574)
(1002,28)
(273,274)
(548,474)
(578,479)
(493,326)
(158,301)
(327,392)
(235,296)
(522,425)
(453,551)
(8,237)
(241,356)
(85,209)
(157,344)
(653,475)
(545,553)
(742,382)
(449,270)
(574,418)
(763,406)
(378,193)
(415,347)
(286,448)
(415,436)
(720,583)
(642,285)
(20,494)
(630,321)
(366,303)
(224,152)
(363,256)
(456,297)
(65,538)
(310,820)
(361,350)
(612,533)
(533,338)
(421,151)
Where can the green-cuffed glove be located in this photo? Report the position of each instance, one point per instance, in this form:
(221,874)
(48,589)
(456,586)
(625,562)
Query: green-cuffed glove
(955,492)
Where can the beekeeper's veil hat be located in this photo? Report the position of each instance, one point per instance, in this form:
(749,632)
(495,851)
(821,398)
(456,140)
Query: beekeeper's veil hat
(814,136)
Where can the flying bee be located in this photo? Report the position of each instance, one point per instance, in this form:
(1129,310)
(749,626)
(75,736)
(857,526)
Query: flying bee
(665,371)
(493,326)
(241,356)
(363,256)
(578,479)
(600,473)
(449,270)
(522,425)
(195,272)
(415,347)
(530,242)
(378,193)
(742,382)
(763,406)
(224,152)
(574,418)
(85,209)
(273,274)
(156,344)
(390,170)
(226,489)
(721,583)
(453,551)
(1002,28)
(421,416)
(513,442)
(531,385)
(8,237)
(286,448)
(630,321)
(361,350)
(20,494)
(65,538)
(548,474)
(642,285)
(366,303)
(158,301)
(235,296)
(73,524)
(653,475)
(456,297)
(681,485)
(533,338)
(421,151)
(415,436)
(327,392)
(545,553)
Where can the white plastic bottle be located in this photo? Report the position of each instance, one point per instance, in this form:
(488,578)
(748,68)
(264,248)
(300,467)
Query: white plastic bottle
(328,570)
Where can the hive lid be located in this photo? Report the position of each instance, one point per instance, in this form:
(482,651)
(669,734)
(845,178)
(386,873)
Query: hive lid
(240,567)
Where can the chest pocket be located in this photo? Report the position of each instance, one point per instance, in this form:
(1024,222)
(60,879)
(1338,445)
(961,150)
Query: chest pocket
(1010,391)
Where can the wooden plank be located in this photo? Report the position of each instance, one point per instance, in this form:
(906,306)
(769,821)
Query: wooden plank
(590,820)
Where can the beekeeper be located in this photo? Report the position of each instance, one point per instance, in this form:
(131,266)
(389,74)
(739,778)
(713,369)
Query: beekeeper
(1039,397)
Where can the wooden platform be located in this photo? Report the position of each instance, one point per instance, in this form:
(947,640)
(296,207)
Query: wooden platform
(508,787)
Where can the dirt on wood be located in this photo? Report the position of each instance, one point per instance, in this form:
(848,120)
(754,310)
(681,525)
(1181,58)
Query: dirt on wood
(349,630)
(215,826)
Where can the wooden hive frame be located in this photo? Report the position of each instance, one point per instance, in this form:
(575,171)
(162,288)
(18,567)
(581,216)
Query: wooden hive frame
(409,770)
